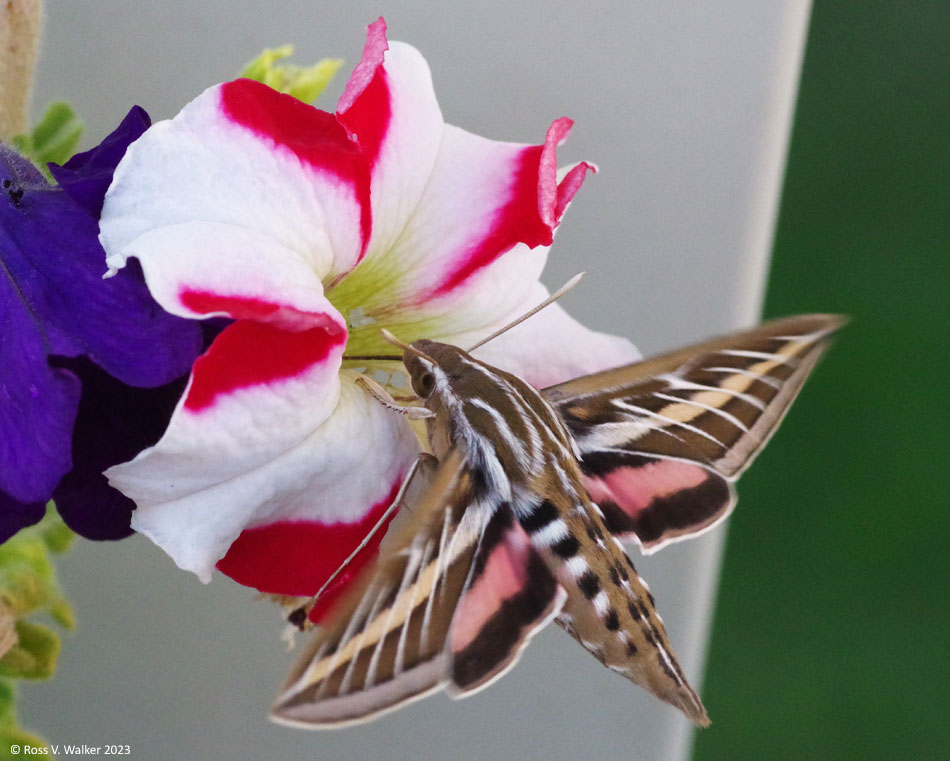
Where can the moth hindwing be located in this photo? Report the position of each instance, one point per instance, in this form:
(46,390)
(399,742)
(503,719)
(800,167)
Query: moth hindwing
(520,522)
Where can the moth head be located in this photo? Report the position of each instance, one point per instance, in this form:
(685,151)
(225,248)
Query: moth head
(424,361)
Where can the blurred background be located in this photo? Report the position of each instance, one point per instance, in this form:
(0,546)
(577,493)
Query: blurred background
(833,622)
(831,628)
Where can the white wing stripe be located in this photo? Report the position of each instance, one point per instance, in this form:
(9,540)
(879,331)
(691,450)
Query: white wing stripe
(767,379)
(669,421)
(781,358)
(408,579)
(716,410)
(678,384)
(404,631)
(355,620)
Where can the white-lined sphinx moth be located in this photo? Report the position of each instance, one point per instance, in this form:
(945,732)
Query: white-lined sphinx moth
(521,519)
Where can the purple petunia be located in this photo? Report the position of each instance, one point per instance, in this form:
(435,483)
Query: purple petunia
(74,344)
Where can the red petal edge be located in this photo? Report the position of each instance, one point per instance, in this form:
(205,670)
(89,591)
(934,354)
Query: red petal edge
(250,353)
(532,211)
(296,557)
(373,53)
(365,107)
(553,198)
(312,135)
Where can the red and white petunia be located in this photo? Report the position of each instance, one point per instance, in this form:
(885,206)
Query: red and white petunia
(312,231)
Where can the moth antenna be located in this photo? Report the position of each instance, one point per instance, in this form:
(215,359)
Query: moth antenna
(547,302)
(390,338)
(298,617)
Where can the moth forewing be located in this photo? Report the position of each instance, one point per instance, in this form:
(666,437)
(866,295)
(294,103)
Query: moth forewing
(817,328)
(515,525)
(662,440)
(317,692)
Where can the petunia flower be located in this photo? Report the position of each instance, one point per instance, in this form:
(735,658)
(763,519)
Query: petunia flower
(312,231)
(55,314)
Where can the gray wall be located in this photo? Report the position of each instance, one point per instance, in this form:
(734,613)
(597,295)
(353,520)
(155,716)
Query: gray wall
(684,105)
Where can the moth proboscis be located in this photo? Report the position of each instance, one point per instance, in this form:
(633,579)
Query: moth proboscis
(521,521)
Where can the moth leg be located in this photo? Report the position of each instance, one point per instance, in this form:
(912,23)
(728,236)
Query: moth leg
(380,394)
(416,480)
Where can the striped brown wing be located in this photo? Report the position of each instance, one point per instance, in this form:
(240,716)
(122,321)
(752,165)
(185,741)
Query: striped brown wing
(662,440)
(452,601)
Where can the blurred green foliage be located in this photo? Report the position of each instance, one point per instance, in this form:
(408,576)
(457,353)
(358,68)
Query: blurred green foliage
(28,587)
(303,82)
(833,624)
(54,139)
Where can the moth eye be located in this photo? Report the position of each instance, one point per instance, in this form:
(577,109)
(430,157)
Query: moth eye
(426,384)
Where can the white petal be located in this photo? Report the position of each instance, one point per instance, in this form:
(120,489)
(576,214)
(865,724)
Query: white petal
(215,165)
(194,508)
(551,346)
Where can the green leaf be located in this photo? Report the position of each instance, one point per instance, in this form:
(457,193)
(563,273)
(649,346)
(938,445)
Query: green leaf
(55,534)
(23,144)
(263,68)
(56,136)
(54,139)
(27,575)
(62,614)
(28,585)
(34,656)
(305,83)
(7,697)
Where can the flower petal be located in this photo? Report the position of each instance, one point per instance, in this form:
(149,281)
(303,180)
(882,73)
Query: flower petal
(15,515)
(249,354)
(55,310)
(37,405)
(47,305)
(301,449)
(488,206)
(236,413)
(201,269)
(297,557)
(445,202)
(114,423)
(502,195)
(86,176)
(389,107)
(551,346)
(245,156)
(50,250)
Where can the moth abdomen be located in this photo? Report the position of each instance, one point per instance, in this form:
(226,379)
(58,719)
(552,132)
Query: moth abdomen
(609,609)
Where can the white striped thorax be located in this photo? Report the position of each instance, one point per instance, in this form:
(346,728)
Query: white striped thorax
(502,422)
(520,522)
